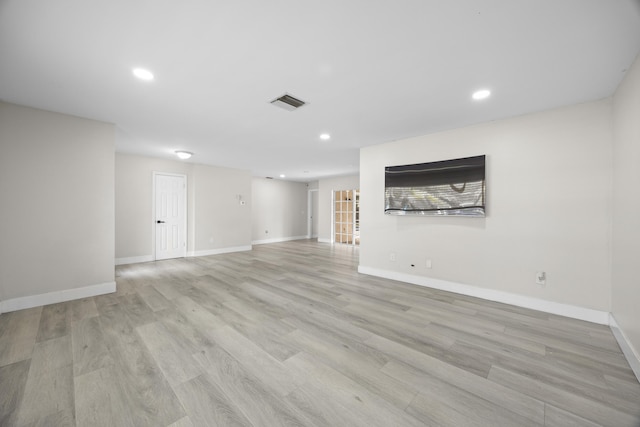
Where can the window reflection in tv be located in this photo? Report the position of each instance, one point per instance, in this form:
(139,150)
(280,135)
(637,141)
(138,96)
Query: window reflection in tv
(445,188)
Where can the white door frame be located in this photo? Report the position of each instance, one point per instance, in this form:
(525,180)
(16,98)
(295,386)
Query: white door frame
(153,210)
(310,212)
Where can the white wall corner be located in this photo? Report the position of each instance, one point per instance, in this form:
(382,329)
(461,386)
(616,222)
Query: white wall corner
(572,311)
(278,240)
(31,301)
(134,259)
(219,251)
(629,351)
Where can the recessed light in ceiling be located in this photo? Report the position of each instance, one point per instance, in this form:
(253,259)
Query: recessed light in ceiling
(325,136)
(282,175)
(184,155)
(143,74)
(481,94)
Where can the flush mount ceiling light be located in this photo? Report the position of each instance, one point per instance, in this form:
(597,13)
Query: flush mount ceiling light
(325,136)
(143,74)
(282,175)
(183,155)
(481,94)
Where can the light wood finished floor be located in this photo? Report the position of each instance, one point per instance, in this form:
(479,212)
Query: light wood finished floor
(290,334)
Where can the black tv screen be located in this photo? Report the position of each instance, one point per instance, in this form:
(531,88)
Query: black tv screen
(449,187)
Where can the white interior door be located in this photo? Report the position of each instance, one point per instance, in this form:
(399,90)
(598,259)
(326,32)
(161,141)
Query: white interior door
(170,216)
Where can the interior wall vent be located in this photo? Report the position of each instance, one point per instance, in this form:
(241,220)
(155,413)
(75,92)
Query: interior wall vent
(288,102)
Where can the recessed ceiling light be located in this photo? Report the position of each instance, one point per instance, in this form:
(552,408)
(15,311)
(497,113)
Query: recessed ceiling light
(282,175)
(183,155)
(143,74)
(481,94)
(325,136)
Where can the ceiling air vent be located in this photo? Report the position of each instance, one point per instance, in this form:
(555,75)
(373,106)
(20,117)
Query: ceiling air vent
(288,102)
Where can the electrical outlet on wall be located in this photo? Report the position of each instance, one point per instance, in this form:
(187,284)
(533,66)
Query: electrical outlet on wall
(428,263)
(392,257)
(541,278)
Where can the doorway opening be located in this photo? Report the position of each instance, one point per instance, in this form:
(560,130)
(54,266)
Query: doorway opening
(312,209)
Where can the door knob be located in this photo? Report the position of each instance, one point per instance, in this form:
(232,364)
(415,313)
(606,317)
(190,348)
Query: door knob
(159,222)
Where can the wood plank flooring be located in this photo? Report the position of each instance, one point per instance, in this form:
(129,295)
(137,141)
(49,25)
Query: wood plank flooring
(290,334)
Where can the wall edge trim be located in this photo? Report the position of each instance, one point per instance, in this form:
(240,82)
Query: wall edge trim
(64,295)
(630,353)
(219,251)
(134,259)
(278,240)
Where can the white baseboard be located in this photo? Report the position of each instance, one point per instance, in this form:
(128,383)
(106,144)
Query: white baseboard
(631,354)
(134,259)
(321,240)
(278,240)
(575,312)
(31,301)
(219,251)
(150,258)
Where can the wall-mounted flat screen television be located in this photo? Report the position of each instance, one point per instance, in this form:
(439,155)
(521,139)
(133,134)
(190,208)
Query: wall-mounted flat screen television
(446,188)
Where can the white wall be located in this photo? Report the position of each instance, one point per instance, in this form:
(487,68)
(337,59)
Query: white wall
(548,196)
(57,210)
(279,210)
(216,220)
(221,221)
(626,208)
(326,188)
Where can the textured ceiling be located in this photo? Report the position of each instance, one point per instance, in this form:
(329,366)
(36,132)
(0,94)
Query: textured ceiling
(372,71)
